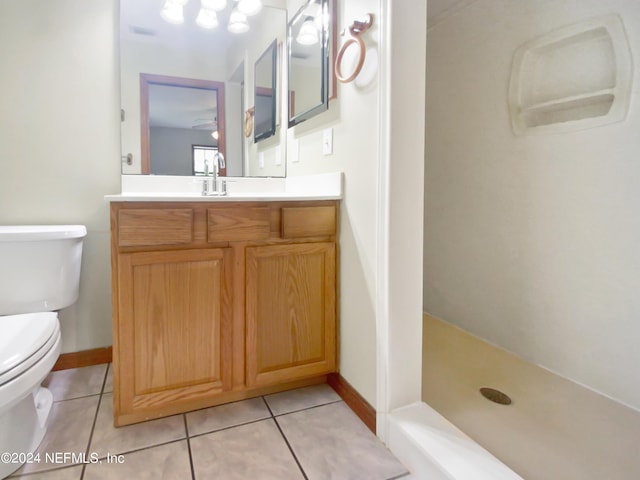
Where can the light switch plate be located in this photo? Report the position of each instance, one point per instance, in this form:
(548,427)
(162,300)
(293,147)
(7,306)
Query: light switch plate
(278,160)
(327,141)
(261,159)
(294,154)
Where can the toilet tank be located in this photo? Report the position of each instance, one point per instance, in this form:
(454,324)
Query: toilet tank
(39,267)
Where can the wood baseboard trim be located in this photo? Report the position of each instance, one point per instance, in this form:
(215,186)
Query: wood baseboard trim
(84,358)
(354,400)
(350,395)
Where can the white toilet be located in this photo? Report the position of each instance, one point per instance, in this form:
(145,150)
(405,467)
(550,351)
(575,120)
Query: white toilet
(39,274)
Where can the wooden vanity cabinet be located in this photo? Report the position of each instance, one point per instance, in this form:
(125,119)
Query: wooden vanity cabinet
(290,312)
(215,302)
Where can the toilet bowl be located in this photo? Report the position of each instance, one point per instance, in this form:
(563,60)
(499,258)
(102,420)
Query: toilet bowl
(40,274)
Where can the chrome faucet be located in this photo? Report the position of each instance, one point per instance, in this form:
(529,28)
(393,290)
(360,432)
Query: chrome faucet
(218,162)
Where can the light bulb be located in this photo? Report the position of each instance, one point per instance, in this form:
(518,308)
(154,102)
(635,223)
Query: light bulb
(308,34)
(214,134)
(249,7)
(172,12)
(207,18)
(238,22)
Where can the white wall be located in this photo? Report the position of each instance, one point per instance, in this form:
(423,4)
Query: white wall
(531,242)
(59,137)
(354,119)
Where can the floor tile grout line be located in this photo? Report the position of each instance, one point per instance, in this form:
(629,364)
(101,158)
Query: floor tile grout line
(77,398)
(264,399)
(148,447)
(95,420)
(196,435)
(106,375)
(402,475)
(104,382)
(271,415)
(307,408)
(186,431)
(284,437)
(15,475)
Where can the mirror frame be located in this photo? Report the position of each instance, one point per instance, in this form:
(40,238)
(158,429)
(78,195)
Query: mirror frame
(272,51)
(328,44)
(147,79)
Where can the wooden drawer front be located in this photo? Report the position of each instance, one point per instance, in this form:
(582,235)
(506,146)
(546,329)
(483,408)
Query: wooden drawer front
(226,224)
(308,221)
(166,226)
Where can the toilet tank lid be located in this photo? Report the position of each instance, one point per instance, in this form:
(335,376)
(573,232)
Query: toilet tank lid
(29,233)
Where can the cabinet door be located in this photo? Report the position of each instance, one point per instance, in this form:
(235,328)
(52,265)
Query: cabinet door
(290,312)
(174,327)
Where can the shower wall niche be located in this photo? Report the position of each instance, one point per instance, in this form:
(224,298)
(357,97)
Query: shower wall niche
(573,78)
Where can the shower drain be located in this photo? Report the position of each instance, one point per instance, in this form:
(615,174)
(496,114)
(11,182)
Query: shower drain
(496,396)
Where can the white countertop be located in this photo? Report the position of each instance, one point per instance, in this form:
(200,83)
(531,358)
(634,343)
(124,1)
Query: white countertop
(159,188)
(191,197)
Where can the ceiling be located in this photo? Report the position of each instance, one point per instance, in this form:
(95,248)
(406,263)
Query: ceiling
(181,107)
(140,21)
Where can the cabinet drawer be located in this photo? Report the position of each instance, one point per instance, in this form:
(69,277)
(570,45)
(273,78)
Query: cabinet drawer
(308,221)
(237,224)
(166,226)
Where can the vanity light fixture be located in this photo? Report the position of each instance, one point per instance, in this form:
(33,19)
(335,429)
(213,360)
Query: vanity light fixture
(207,18)
(238,22)
(249,7)
(308,34)
(173,11)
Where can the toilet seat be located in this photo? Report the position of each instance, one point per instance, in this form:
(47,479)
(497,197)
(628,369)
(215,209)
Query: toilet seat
(24,340)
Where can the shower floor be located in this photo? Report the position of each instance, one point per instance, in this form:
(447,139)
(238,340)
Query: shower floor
(554,429)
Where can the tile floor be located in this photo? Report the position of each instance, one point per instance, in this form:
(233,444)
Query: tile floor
(307,433)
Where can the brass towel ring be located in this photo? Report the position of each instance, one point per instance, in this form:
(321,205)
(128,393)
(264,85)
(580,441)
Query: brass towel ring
(248,122)
(355,36)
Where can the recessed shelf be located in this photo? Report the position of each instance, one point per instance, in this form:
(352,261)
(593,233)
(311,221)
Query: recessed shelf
(574,108)
(573,78)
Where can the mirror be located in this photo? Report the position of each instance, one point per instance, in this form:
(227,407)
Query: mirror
(265,94)
(308,79)
(212,72)
(180,130)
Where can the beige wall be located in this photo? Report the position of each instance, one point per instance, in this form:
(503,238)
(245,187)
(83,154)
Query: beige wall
(59,137)
(354,119)
(531,242)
